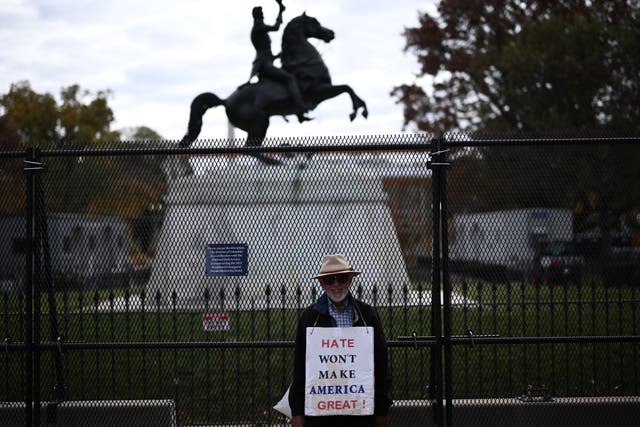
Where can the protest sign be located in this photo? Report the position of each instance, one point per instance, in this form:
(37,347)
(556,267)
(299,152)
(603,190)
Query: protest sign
(339,371)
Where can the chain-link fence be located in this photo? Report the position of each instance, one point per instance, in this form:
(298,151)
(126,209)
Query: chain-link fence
(163,286)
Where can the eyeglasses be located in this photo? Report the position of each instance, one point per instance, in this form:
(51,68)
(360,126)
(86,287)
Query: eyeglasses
(342,278)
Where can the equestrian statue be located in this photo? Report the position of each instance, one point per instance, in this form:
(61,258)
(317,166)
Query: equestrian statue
(299,86)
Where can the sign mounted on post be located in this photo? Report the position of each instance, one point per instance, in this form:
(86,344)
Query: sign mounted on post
(339,371)
(227,259)
(215,321)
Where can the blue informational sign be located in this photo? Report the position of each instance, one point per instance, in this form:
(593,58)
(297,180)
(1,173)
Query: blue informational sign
(227,259)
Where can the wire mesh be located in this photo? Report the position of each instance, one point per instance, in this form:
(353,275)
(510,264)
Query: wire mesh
(134,308)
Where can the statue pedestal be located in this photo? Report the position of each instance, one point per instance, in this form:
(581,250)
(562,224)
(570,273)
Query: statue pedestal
(289,216)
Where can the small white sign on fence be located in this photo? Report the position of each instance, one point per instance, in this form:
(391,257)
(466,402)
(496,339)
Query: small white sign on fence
(215,321)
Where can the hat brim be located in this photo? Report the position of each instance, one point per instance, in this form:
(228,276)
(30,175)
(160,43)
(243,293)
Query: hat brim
(331,273)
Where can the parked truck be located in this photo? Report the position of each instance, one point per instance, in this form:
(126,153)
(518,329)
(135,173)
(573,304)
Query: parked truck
(532,244)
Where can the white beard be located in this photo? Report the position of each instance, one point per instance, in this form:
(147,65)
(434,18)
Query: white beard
(338,299)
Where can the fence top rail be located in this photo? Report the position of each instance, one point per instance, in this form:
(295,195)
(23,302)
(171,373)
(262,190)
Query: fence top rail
(324,144)
(315,149)
(480,141)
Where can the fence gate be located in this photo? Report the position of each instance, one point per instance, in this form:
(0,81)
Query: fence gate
(540,308)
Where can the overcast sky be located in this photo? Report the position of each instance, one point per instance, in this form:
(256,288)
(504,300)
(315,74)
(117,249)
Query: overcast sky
(155,56)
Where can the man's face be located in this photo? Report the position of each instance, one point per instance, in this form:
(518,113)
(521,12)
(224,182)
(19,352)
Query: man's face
(336,286)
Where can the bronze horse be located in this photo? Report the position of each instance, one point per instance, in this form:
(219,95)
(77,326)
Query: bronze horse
(251,105)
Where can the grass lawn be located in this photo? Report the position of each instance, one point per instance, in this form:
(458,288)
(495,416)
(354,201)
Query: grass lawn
(235,384)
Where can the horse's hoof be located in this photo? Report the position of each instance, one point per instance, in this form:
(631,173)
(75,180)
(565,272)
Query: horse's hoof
(353,115)
(302,118)
(365,113)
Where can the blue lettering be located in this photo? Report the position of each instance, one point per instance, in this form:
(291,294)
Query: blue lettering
(337,389)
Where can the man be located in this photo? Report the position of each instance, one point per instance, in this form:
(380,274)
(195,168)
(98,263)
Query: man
(263,63)
(336,307)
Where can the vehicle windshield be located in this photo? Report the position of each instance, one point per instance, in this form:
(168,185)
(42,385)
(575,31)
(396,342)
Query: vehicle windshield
(556,248)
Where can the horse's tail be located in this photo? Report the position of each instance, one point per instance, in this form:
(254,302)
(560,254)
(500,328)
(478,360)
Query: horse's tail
(199,106)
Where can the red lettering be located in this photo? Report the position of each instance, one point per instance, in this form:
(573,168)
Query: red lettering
(337,343)
(338,405)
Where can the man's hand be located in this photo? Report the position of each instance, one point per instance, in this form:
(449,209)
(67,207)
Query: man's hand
(282,8)
(297,420)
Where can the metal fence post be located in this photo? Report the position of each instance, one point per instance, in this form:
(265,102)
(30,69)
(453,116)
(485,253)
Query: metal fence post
(436,313)
(47,282)
(441,361)
(32,167)
(28,287)
(446,284)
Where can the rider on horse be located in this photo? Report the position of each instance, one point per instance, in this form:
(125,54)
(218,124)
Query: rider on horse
(250,106)
(263,64)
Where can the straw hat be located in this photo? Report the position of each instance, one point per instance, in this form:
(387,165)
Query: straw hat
(335,264)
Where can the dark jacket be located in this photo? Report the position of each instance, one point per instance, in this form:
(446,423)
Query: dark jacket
(364,315)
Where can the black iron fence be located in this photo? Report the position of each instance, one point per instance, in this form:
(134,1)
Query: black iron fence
(503,269)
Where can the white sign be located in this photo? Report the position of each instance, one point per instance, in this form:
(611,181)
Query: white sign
(215,321)
(339,371)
